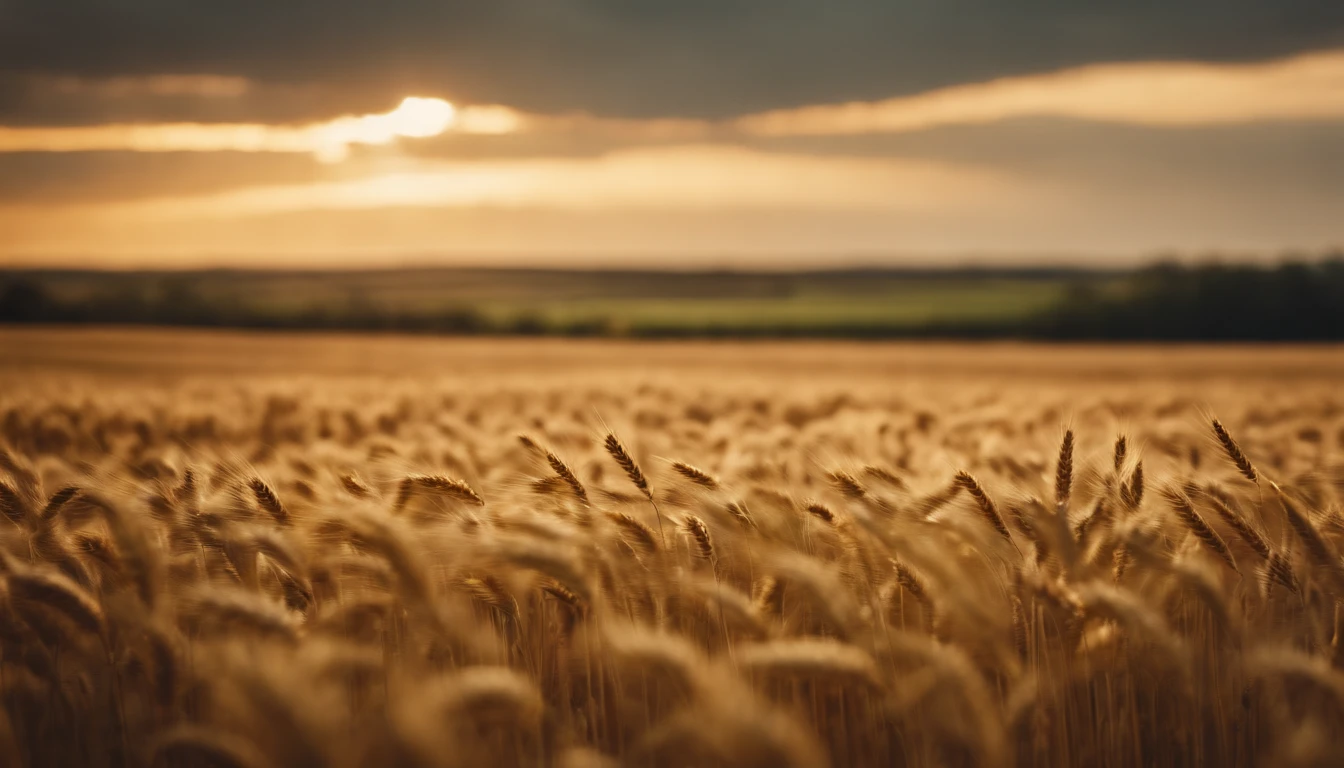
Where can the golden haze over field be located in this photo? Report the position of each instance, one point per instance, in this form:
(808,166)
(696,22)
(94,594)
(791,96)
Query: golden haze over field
(242,550)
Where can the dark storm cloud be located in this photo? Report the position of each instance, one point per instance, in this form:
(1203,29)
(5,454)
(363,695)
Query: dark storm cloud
(629,57)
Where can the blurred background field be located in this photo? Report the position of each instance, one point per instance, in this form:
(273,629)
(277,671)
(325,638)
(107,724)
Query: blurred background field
(47,359)
(1291,301)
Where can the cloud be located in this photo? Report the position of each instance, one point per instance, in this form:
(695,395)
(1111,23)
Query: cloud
(1263,160)
(1150,93)
(631,58)
(1161,94)
(415,117)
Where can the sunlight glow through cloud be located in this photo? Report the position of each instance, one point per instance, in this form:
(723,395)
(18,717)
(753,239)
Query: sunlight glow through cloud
(416,117)
(685,177)
(616,199)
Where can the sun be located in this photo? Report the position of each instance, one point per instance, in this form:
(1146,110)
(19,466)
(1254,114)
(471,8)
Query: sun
(418,117)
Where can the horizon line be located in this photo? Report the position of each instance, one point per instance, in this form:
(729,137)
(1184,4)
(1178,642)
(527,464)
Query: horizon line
(1279,257)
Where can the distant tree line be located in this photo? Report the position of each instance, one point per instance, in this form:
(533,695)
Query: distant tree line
(25,300)
(1293,301)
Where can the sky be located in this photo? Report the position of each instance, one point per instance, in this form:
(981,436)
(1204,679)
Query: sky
(724,133)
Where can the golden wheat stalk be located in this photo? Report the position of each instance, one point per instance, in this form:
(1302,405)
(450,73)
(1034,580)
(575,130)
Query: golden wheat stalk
(1064,472)
(847,485)
(566,474)
(1121,560)
(57,501)
(912,583)
(450,487)
(884,475)
(1277,569)
(740,513)
(573,602)
(820,511)
(1319,551)
(983,503)
(1238,524)
(268,501)
(354,486)
(48,591)
(627,464)
(446,486)
(1131,494)
(1019,624)
(1234,452)
(1099,516)
(1186,513)
(699,533)
(531,445)
(638,531)
(770,596)
(695,475)
(12,506)
(24,478)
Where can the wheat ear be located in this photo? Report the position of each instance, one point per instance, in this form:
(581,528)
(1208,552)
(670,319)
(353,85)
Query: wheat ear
(1234,452)
(632,471)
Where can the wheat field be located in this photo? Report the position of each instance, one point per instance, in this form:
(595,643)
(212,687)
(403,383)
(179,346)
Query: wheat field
(231,550)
